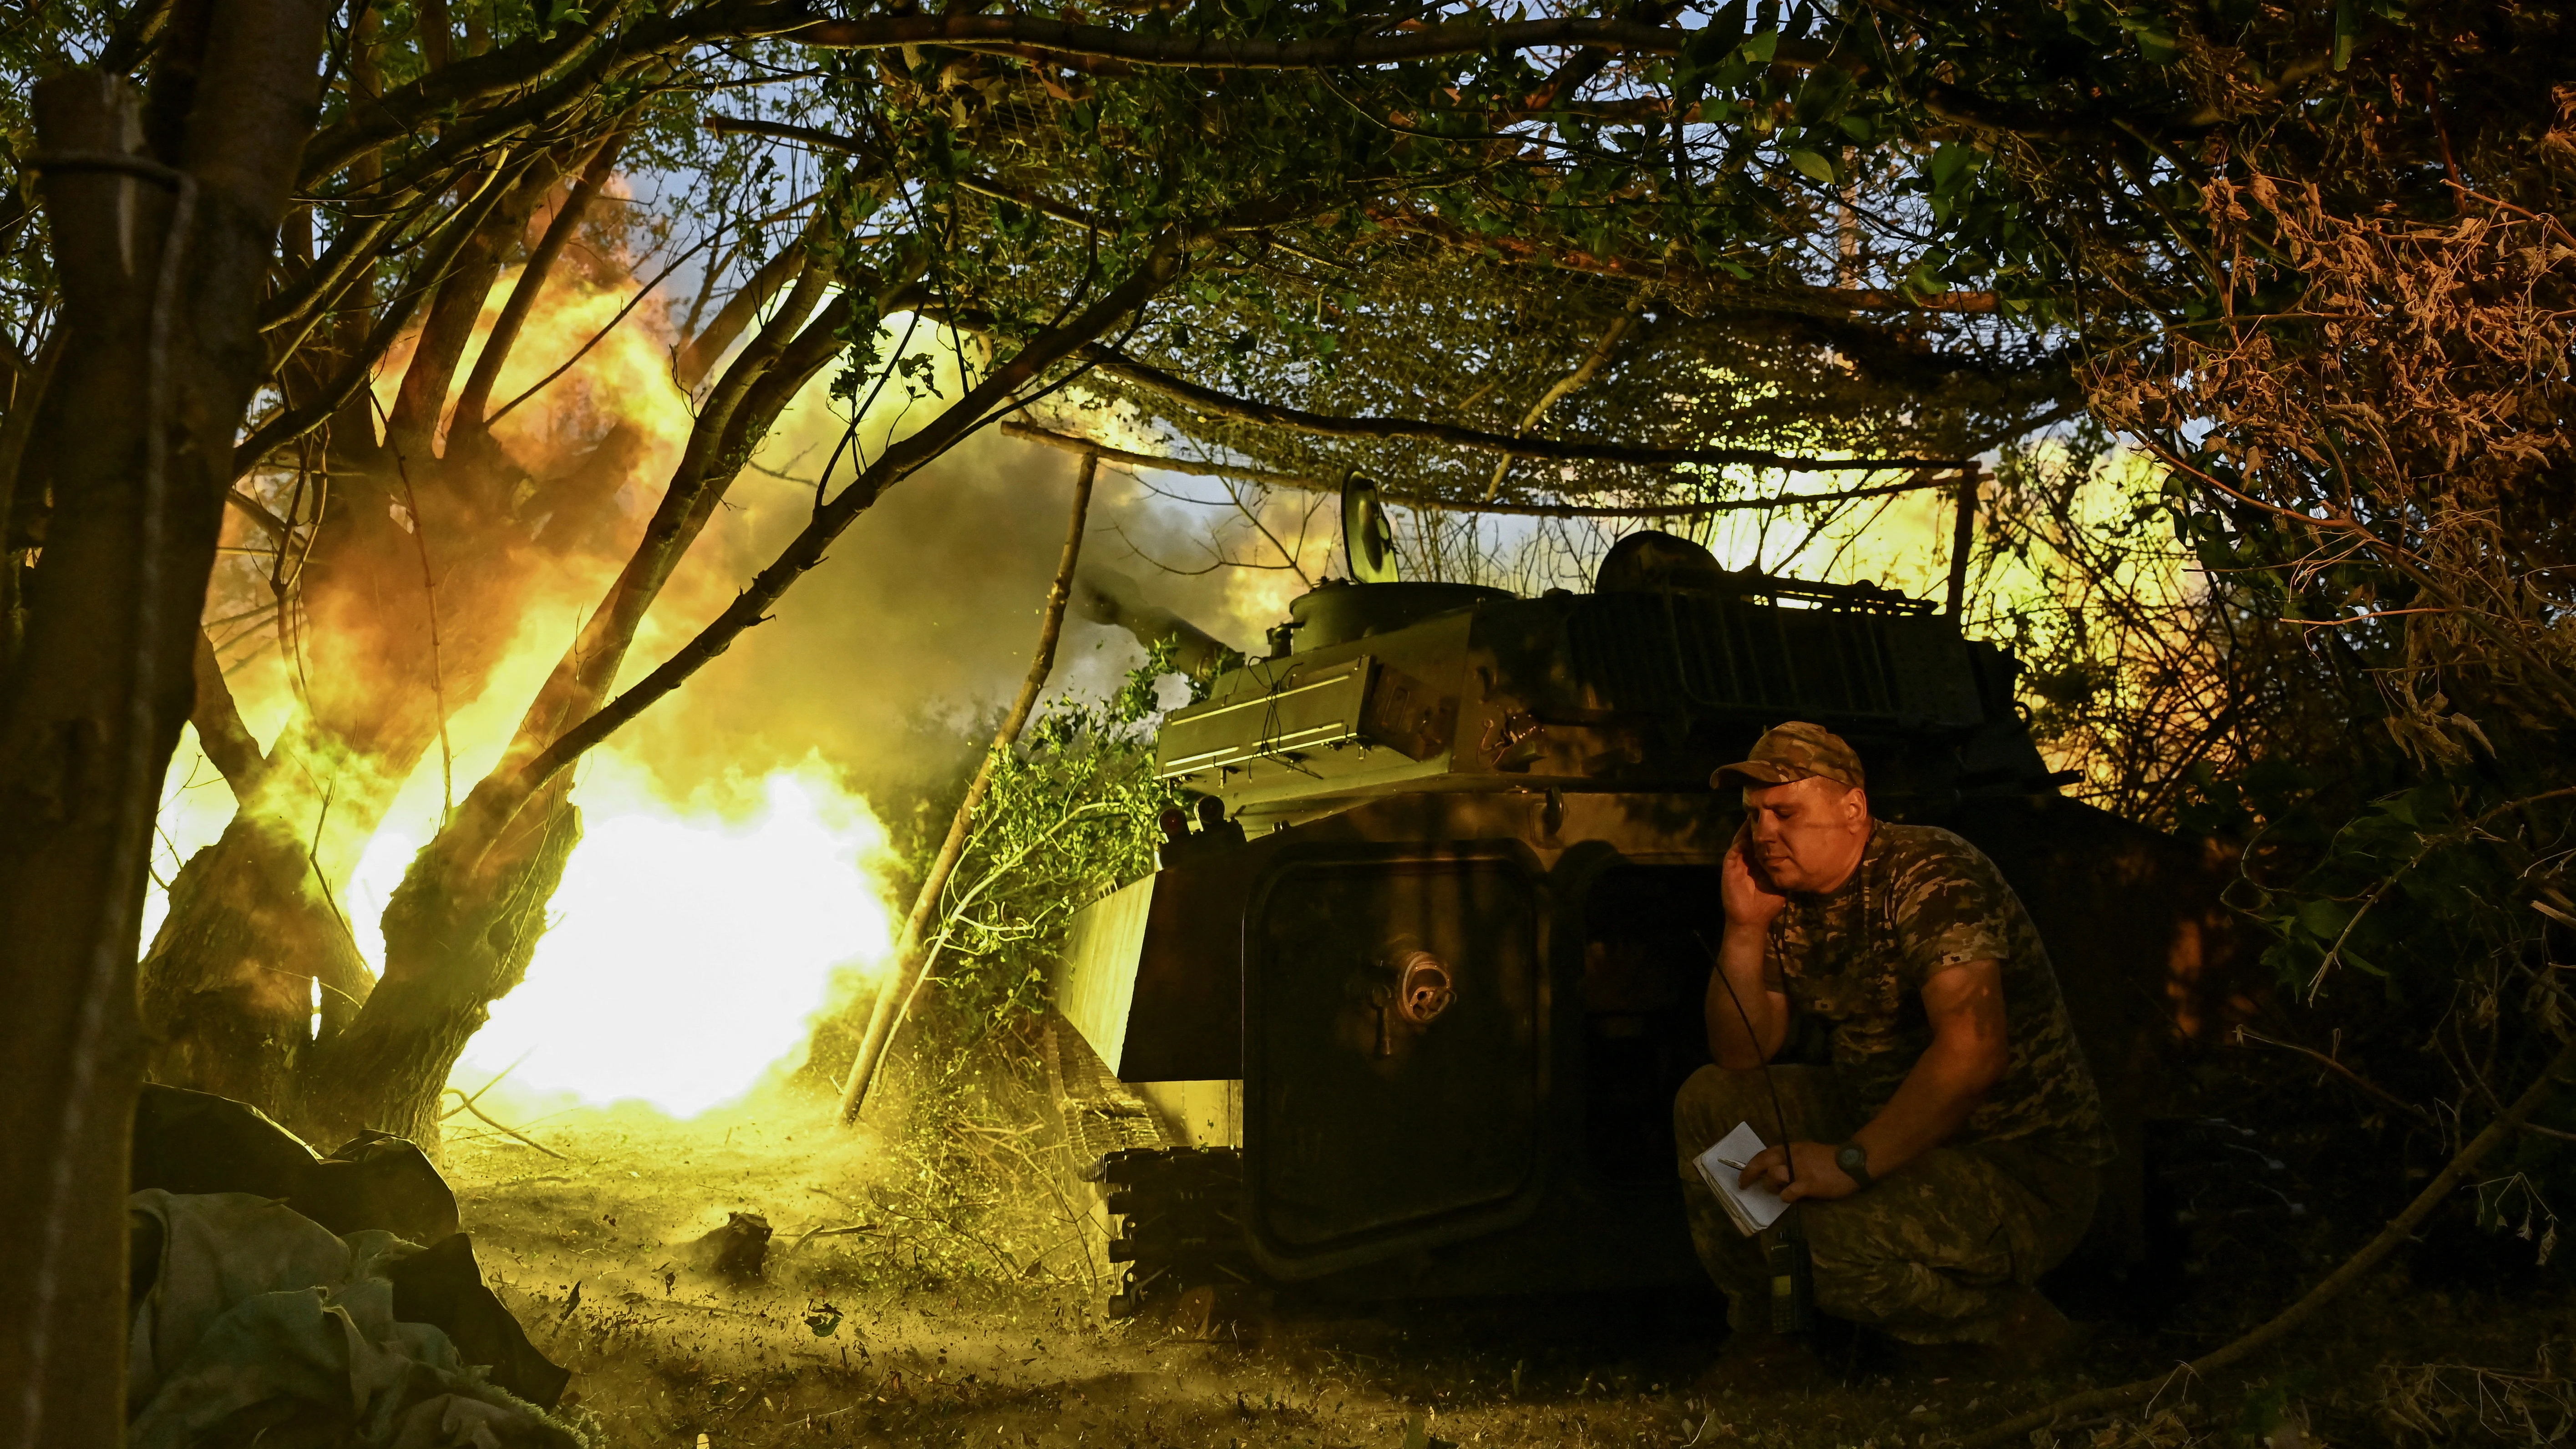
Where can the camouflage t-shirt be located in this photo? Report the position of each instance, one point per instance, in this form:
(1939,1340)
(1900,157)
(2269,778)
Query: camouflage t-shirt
(1923,900)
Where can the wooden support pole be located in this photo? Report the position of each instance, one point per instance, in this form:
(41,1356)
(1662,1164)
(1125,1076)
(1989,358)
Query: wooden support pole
(1963,540)
(911,955)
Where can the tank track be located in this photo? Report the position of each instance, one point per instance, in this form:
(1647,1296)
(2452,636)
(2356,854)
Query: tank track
(1178,1244)
(1171,1214)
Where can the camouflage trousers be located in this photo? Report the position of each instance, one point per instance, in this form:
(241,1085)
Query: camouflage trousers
(1933,1253)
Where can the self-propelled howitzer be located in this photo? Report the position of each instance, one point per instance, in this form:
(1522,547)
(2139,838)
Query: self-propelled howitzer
(1409,1016)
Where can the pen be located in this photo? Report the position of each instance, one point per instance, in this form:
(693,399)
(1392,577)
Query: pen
(1730,1162)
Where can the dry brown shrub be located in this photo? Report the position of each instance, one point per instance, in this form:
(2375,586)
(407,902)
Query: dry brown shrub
(2398,426)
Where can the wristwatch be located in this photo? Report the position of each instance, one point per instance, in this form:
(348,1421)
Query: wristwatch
(1853,1159)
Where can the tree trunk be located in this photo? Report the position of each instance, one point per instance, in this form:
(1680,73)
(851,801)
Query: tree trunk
(457,938)
(257,919)
(465,921)
(461,929)
(262,915)
(230,990)
(21,507)
(162,260)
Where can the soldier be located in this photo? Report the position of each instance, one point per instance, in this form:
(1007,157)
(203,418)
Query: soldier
(1943,1136)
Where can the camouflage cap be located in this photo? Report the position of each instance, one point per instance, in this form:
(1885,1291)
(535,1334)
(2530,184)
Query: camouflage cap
(1794,751)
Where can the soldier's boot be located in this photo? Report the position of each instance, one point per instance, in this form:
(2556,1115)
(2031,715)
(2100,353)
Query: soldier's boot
(1754,1361)
(2034,1336)
(2027,1336)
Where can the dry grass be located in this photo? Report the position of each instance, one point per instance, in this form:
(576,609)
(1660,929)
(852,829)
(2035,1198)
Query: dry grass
(926,1285)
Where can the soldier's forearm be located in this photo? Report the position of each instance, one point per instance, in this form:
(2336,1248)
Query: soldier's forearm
(1934,1100)
(1747,1021)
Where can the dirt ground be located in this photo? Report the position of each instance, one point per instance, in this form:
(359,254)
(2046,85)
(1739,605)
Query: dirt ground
(932,1286)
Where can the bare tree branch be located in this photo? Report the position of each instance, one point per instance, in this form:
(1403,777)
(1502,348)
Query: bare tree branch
(1209,400)
(295,308)
(220,731)
(1194,468)
(996,391)
(294,422)
(697,356)
(1045,206)
(1583,372)
(1201,52)
(477,393)
(2400,1230)
(755,388)
(456,306)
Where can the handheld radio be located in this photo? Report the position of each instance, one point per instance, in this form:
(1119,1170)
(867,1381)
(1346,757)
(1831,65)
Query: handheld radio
(1785,1258)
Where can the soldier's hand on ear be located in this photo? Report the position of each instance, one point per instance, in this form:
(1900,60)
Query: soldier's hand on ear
(1748,898)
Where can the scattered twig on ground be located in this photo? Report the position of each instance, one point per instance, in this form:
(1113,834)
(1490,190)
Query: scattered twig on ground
(487,1086)
(504,1128)
(810,1234)
(2373,1089)
(2435,1401)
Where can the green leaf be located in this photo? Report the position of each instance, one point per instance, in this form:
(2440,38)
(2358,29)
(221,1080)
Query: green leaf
(1713,44)
(1812,165)
(2324,919)
(2091,23)
(1764,45)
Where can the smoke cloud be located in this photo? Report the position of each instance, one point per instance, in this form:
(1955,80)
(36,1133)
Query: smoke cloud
(926,614)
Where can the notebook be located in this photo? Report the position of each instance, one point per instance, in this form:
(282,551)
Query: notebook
(1752,1208)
